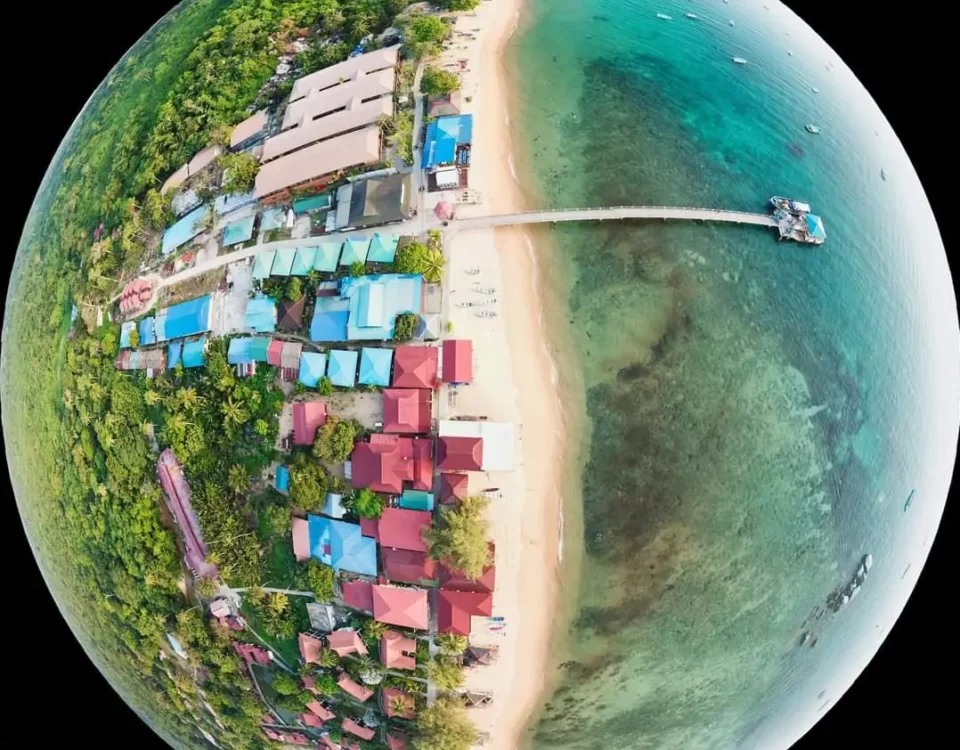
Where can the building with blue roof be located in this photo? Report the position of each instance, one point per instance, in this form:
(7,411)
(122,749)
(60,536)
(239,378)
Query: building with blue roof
(283,261)
(260,348)
(383,248)
(330,318)
(375,366)
(444,136)
(375,302)
(342,367)
(342,546)
(195,353)
(188,318)
(125,330)
(238,352)
(313,203)
(238,231)
(261,314)
(147,331)
(303,261)
(282,479)
(416,500)
(174,354)
(354,251)
(313,366)
(262,264)
(815,227)
(333,507)
(224,204)
(271,219)
(327,258)
(184,230)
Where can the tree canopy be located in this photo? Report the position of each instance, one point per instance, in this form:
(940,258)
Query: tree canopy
(437,82)
(444,726)
(461,538)
(405,327)
(419,258)
(239,172)
(335,438)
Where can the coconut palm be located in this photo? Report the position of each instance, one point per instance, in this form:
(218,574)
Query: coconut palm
(399,705)
(233,412)
(433,265)
(238,481)
(374,630)
(328,658)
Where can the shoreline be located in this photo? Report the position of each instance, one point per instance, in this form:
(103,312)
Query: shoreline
(528,522)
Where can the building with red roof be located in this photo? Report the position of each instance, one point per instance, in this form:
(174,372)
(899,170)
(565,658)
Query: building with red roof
(307,418)
(364,733)
(301,539)
(454,487)
(392,700)
(404,529)
(355,689)
(460,453)
(457,361)
(251,654)
(320,711)
(397,651)
(415,366)
(387,461)
(310,720)
(407,410)
(310,648)
(408,566)
(403,607)
(346,641)
(457,580)
(358,595)
(370,527)
(396,742)
(456,608)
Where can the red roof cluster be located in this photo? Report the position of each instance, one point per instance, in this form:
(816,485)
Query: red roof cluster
(403,607)
(407,566)
(404,529)
(387,461)
(406,410)
(415,366)
(397,651)
(358,594)
(460,454)
(454,487)
(455,608)
(307,418)
(251,654)
(457,361)
(135,296)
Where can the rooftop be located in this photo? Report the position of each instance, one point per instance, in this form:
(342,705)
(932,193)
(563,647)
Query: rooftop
(249,128)
(404,529)
(375,366)
(345,71)
(457,580)
(457,361)
(358,595)
(356,114)
(397,651)
(354,689)
(455,609)
(342,546)
(319,104)
(499,446)
(407,410)
(460,454)
(307,418)
(346,641)
(407,566)
(415,366)
(404,607)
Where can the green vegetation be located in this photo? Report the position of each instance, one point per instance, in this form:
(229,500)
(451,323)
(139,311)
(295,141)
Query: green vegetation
(279,519)
(461,537)
(368,504)
(423,259)
(325,386)
(239,170)
(405,326)
(423,36)
(437,82)
(445,672)
(402,124)
(308,483)
(335,438)
(457,4)
(449,326)
(320,580)
(444,726)
(289,288)
(452,644)
(358,269)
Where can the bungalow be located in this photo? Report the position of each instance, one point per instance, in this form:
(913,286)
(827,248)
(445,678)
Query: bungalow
(375,365)
(387,461)
(313,366)
(290,315)
(354,689)
(346,641)
(352,727)
(398,703)
(252,654)
(457,361)
(310,648)
(455,609)
(444,105)
(499,447)
(404,529)
(342,546)
(454,487)
(308,416)
(408,566)
(407,410)
(403,607)
(318,709)
(396,741)
(415,366)
(357,595)
(397,651)
(460,454)
(301,539)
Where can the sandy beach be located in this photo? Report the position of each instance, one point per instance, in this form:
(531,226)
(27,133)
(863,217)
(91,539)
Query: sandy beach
(515,381)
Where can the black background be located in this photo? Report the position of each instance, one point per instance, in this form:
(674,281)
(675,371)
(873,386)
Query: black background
(55,57)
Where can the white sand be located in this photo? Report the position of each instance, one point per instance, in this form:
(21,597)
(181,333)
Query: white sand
(514,381)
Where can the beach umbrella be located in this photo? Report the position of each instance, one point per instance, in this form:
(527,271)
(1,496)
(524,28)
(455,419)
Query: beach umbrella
(443,210)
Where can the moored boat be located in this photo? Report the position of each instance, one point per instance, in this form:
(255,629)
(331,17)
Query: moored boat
(815,129)
(740,60)
(664,16)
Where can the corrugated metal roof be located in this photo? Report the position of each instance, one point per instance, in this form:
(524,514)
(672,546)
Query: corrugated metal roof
(263,264)
(237,231)
(303,261)
(261,314)
(313,366)
(283,261)
(327,258)
(375,365)
(342,368)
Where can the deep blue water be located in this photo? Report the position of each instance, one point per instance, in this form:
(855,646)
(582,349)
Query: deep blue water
(759,411)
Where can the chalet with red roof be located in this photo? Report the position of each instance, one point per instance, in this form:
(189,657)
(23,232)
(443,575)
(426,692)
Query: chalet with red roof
(396,742)
(454,487)
(320,711)
(460,454)
(358,595)
(387,461)
(308,416)
(404,529)
(310,648)
(346,641)
(364,733)
(354,689)
(415,366)
(457,361)
(407,566)
(403,607)
(456,608)
(407,410)
(397,651)
(251,654)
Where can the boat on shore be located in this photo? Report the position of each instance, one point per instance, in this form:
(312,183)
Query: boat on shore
(815,129)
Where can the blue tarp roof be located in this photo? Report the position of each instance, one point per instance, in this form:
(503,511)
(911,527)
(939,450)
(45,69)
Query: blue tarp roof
(282,481)
(443,135)
(227,203)
(328,256)
(815,226)
(375,366)
(330,317)
(342,546)
(262,264)
(173,354)
(334,506)
(184,230)
(125,330)
(372,315)
(238,353)
(303,261)
(194,353)
(283,261)
(261,314)
(148,333)
(271,219)
(342,367)
(354,251)
(383,248)
(237,231)
(313,365)
(185,319)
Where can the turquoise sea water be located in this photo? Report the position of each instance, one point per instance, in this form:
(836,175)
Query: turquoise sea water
(759,412)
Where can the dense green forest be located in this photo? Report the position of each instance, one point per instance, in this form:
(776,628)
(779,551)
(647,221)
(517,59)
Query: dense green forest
(77,428)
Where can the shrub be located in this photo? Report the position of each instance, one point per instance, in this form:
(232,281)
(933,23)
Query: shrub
(325,386)
(285,684)
(358,269)
(240,170)
(436,82)
(461,538)
(320,579)
(335,439)
(368,504)
(445,673)
(444,726)
(279,519)
(405,327)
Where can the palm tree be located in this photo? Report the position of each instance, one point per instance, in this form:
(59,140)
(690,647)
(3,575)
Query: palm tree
(374,630)
(177,424)
(328,658)
(277,603)
(399,705)
(237,479)
(189,399)
(433,265)
(234,412)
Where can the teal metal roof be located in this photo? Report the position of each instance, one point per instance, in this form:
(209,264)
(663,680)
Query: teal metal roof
(258,348)
(173,354)
(271,219)
(372,316)
(194,353)
(328,253)
(125,330)
(313,203)
(263,263)
(261,314)
(354,251)
(370,312)
(815,226)
(342,368)
(375,366)
(283,261)
(383,248)
(184,230)
(313,366)
(303,261)
(416,500)
(238,231)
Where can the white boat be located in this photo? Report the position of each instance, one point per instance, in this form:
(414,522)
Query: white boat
(486,314)
(664,16)
(694,16)
(815,129)
(731,23)
(473,271)
(815,90)
(740,60)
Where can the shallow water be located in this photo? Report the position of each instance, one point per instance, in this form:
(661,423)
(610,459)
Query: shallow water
(750,402)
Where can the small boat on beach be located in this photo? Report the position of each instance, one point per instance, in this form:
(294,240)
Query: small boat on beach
(740,60)
(486,314)
(473,271)
(664,16)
